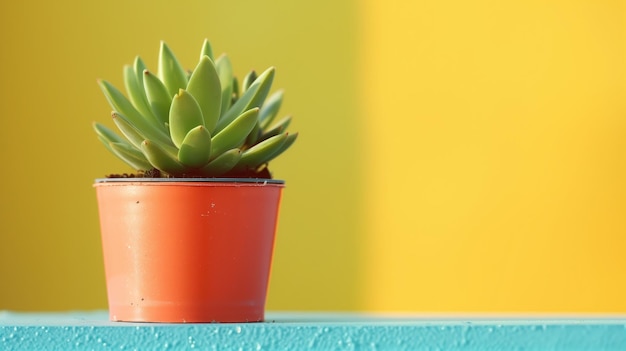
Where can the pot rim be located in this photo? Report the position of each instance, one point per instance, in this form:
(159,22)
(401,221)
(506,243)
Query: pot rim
(190,180)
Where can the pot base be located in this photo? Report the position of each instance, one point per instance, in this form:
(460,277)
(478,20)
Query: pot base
(189,314)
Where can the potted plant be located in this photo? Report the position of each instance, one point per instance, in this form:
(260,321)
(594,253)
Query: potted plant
(189,237)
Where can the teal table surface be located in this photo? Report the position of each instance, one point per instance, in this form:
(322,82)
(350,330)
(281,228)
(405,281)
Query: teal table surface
(315,331)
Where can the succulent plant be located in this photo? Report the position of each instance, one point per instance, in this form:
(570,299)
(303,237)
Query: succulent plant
(198,123)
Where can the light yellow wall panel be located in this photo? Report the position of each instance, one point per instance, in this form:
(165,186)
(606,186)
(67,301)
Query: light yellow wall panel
(497,148)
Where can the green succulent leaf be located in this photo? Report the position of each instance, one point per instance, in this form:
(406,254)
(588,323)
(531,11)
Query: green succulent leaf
(107,144)
(254,135)
(206,50)
(270,108)
(158,97)
(120,104)
(222,164)
(108,138)
(234,135)
(145,108)
(138,67)
(116,99)
(195,150)
(161,159)
(291,138)
(261,152)
(129,131)
(225,72)
(171,72)
(136,93)
(185,114)
(279,127)
(204,86)
(235,96)
(248,80)
(264,83)
(108,135)
(253,97)
(131,156)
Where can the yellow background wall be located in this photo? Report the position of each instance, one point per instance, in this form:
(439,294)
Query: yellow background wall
(454,156)
(497,159)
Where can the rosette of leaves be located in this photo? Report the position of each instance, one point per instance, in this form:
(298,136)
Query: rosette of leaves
(199,123)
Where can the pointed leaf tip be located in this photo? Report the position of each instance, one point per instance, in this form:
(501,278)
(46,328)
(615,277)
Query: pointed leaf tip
(170,71)
(204,85)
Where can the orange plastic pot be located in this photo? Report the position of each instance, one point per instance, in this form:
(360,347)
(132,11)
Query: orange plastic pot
(188,250)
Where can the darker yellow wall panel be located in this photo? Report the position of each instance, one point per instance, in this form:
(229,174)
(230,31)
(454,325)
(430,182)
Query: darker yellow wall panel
(52,54)
(498,144)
